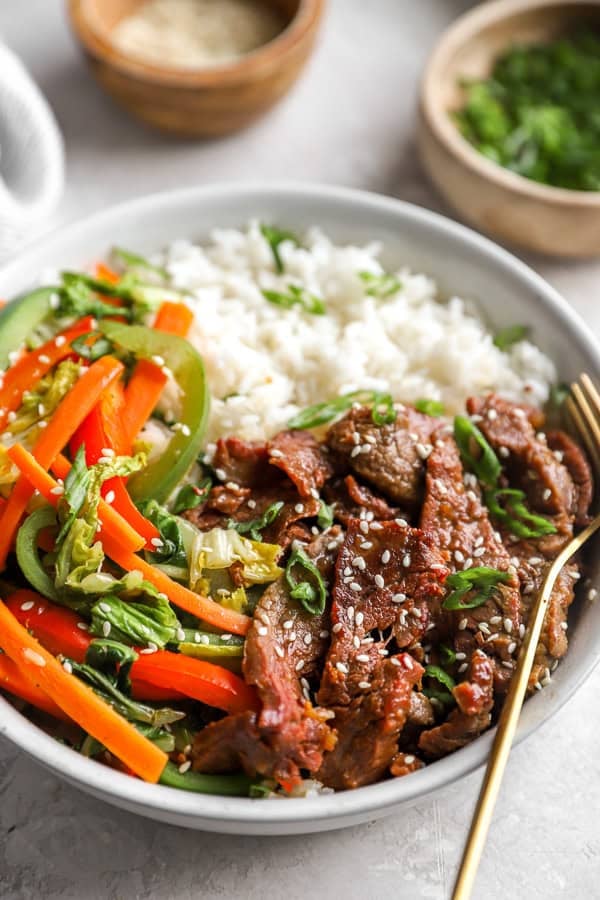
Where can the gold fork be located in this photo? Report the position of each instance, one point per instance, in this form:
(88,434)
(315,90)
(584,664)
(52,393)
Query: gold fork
(583,407)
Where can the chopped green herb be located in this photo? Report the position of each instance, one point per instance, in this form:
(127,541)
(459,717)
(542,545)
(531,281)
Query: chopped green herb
(296,296)
(480,582)
(537,112)
(311,594)
(321,413)
(430,407)
(380,286)
(511,335)
(274,238)
(476,452)
(448,654)
(325,516)
(254,527)
(77,484)
(100,346)
(190,496)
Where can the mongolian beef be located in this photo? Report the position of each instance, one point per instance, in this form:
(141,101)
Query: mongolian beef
(340,602)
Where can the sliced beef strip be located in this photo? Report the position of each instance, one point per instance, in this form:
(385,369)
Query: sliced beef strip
(242,462)
(455,516)
(405,764)
(349,498)
(558,485)
(284,647)
(303,459)
(474,702)
(389,457)
(380,568)
(247,504)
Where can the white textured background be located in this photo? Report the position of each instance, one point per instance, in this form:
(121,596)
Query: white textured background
(349,121)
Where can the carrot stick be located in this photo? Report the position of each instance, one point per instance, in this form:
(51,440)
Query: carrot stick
(148,380)
(31,368)
(40,480)
(70,412)
(15,683)
(196,604)
(108,274)
(78,701)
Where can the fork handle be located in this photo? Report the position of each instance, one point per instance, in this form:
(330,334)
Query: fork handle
(509,719)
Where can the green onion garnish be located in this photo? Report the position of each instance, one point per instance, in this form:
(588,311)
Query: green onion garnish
(297,296)
(430,407)
(325,516)
(254,527)
(509,336)
(484,464)
(311,594)
(322,413)
(481,579)
(274,237)
(515,515)
(190,496)
(380,286)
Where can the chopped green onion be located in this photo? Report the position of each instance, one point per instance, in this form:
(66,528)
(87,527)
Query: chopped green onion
(325,516)
(440,675)
(448,654)
(321,413)
(430,407)
(558,395)
(296,296)
(484,464)
(511,335)
(190,496)
(254,527)
(274,237)
(224,785)
(481,579)
(380,286)
(515,516)
(313,597)
(445,697)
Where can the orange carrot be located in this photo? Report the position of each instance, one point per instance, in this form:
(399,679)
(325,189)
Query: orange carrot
(196,604)
(15,683)
(40,480)
(78,701)
(148,380)
(70,412)
(31,368)
(108,274)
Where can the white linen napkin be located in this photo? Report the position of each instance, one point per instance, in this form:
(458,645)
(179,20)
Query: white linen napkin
(31,156)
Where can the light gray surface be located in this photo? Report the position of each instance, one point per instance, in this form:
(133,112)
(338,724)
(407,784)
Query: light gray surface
(349,121)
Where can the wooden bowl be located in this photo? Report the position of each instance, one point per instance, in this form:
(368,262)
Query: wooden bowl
(508,206)
(203,102)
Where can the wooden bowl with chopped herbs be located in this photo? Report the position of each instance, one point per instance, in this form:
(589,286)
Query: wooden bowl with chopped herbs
(509,126)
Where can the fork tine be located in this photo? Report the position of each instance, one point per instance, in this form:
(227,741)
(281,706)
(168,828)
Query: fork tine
(591,391)
(586,423)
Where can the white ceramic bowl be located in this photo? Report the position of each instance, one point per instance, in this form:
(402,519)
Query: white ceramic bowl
(463,263)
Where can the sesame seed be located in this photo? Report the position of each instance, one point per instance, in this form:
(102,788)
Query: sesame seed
(104,607)
(364,685)
(221,474)
(288,624)
(225,637)
(67,666)
(262,630)
(29,604)
(359,563)
(185,767)
(535,560)
(484,627)
(110,498)
(299,507)
(251,504)
(355,451)
(463,667)
(507,664)
(363,657)
(350,613)
(520,413)
(34,657)
(564,626)
(366,545)
(406,560)
(337,627)
(42,423)
(359,618)
(356,641)
(60,340)
(364,527)
(547,494)
(158,360)
(156,542)
(461,656)
(347,571)
(558,455)
(459,556)
(308,638)
(323,635)
(106,627)
(592,594)
(423,450)
(479,551)
(342,667)
(395,661)
(354,586)
(521,631)
(299,665)
(314,493)
(479,541)
(83,626)
(409,759)
(467,563)
(379,582)
(492,414)
(408,662)
(512,647)
(398,598)
(180,634)
(462,624)
(508,625)
(504,452)
(385,557)
(401,522)
(279,651)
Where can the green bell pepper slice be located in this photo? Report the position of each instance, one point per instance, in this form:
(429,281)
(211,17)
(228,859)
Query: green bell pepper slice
(27,551)
(226,785)
(210,647)
(22,316)
(159,479)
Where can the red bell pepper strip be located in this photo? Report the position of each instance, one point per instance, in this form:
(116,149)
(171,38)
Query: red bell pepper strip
(68,415)
(148,380)
(57,628)
(197,679)
(103,429)
(32,367)
(15,683)
(79,701)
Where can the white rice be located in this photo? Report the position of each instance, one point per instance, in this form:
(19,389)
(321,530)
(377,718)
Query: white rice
(264,362)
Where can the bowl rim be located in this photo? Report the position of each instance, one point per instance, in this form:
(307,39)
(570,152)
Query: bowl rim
(238,814)
(262,60)
(437,119)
